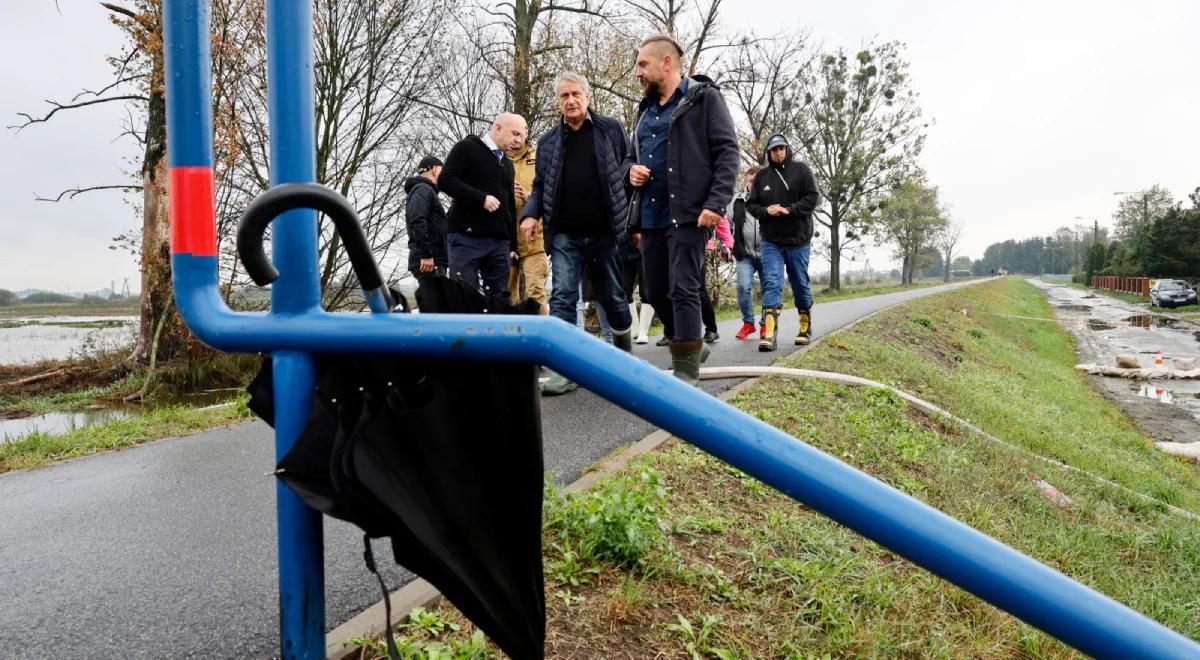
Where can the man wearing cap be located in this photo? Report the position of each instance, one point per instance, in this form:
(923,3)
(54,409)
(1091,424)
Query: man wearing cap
(783,198)
(527,279)
(426,221)
(684,164)
(482,239)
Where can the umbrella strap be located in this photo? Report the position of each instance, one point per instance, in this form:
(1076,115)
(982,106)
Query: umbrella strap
(369,556)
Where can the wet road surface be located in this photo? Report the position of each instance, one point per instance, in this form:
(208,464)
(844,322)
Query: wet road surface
(1104,327)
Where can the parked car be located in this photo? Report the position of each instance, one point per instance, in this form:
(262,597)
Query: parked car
(1172,293)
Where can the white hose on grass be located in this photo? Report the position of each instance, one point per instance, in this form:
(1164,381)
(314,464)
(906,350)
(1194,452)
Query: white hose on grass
(713,373)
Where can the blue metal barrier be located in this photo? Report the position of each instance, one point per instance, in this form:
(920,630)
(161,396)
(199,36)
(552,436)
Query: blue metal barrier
(296,328)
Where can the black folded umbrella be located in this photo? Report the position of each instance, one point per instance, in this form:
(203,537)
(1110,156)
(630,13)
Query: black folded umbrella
(445,458)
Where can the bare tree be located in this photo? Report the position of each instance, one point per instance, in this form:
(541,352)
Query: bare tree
(763,82)
(946,241)
(861,129)
(138,82)
(699,34)
(376,63)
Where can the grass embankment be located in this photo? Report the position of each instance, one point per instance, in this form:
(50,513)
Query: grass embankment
(172,405)
(41,449)
(680,555)
(104,378)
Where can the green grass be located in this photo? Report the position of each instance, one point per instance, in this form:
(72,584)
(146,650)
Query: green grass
(41,449)
(122,308)
(731,568)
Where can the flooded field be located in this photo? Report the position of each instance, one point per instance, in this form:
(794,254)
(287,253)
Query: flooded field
(25,340)
(58,422)
(1105,327)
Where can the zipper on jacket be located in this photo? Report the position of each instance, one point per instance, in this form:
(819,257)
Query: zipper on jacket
(782,180)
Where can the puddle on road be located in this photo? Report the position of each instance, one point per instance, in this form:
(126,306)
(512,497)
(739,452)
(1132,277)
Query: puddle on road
(1076,308)
(1097,324)
(1156,392)
(1151,321)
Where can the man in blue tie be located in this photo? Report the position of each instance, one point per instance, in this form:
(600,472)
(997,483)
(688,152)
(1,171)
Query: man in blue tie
(482,238)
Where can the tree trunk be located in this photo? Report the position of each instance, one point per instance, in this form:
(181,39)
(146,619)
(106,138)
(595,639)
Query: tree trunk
(835,249)
(156,240)
(525,13)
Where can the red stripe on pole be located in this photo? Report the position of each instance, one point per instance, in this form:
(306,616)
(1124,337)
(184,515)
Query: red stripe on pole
(193,217)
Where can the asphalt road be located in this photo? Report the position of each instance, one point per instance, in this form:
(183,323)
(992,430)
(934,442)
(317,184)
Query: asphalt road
(169,548)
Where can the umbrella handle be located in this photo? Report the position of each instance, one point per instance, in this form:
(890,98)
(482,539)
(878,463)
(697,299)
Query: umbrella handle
(288,196)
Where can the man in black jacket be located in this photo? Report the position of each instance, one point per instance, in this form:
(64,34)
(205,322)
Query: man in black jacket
(783,198)
(579,194)
(686,153)
(482,219)
(426,221)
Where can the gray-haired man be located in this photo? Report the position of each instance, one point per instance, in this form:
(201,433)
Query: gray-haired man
(579,194)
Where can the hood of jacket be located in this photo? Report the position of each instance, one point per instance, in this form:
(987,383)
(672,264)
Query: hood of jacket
(787,159)
(695,84)
(414,181)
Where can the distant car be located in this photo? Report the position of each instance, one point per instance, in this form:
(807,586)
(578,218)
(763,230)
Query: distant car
(1172,293)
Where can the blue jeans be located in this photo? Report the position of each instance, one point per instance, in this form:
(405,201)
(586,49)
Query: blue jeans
(777,258)
(746,268)
(569,255)
(581,308)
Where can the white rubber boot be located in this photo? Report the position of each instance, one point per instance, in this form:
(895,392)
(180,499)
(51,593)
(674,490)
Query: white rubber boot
(646,316)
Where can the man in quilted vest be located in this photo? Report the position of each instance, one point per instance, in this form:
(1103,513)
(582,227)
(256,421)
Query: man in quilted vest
(579,196)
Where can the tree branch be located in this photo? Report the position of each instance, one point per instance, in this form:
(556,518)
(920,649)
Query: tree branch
(72,193)
(118,9)
(29,119)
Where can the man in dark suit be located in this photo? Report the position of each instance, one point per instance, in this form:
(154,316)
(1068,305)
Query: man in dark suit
(482,221)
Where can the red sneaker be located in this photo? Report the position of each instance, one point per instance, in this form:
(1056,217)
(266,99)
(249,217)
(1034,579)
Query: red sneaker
(762,331)
(746,331)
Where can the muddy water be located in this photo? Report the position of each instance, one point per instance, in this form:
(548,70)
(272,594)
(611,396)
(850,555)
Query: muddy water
(27,340)
(1105,327)
(57,422)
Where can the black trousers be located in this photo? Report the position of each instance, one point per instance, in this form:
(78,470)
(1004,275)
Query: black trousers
(673,271)
(707,313)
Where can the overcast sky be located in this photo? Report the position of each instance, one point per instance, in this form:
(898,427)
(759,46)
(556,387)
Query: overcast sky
(1042,110)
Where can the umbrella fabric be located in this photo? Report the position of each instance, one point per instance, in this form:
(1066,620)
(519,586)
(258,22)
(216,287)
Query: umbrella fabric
(443,457)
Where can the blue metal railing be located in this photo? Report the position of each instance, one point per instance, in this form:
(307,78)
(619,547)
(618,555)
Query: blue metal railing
(296,328)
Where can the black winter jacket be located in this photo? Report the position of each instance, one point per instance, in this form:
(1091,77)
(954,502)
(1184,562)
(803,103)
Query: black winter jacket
(612,151)
(702,152)
(471,173)
(426,222)
(792,185)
